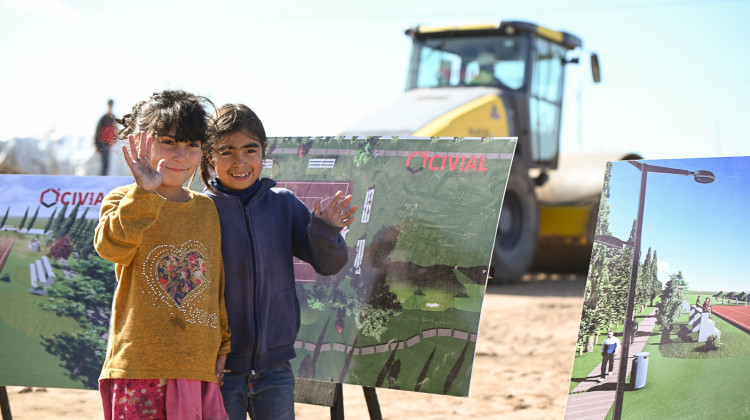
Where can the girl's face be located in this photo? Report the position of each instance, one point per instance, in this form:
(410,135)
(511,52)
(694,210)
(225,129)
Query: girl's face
(181,159)
(238,160)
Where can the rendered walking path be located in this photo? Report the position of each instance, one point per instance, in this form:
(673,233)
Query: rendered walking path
(591,399)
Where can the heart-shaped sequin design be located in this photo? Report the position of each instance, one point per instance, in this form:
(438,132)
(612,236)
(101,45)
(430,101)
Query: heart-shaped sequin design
(181,274)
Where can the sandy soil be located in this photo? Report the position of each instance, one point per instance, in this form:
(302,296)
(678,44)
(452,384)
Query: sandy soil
(522,369)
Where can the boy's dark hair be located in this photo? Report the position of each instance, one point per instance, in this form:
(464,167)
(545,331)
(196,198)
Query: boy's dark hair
(166,109)
(228,119)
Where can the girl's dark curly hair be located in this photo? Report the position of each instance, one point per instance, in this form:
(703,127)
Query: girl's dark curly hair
(166,109)
(227,120)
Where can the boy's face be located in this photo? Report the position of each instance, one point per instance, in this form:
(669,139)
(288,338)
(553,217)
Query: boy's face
(181,159)
(238,160)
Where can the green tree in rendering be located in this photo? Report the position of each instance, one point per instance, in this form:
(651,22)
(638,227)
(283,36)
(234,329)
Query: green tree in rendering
(606,290)
(605,296)
(49,221)
(23,221)
(33,219)
(656,286)
(58,223)
(363,155)
(86,296)
(671,302)
(643,283)
(5,217)
(69,221)
(82,234)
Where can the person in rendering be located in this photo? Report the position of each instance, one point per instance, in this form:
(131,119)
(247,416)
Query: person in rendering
(263,227)
(707,307)
(105,135)
(633,324)
(698,301)
(169,333)
(610,347)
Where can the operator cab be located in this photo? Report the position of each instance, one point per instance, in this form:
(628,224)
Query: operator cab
(525,62)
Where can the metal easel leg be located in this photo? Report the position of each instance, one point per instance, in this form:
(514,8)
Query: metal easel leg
(337,409)
(5,404)
(373,406)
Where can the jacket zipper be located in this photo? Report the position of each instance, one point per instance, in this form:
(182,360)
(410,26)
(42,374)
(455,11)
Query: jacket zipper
(254,285)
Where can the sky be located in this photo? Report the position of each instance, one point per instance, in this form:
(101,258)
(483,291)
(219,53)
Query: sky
(674,81)
(701,230)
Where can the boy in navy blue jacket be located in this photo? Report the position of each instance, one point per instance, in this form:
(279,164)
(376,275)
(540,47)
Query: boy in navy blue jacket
(262,229)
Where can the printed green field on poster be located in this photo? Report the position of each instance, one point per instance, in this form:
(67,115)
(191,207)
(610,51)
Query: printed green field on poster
(402,314)
(668,277)
(55,291)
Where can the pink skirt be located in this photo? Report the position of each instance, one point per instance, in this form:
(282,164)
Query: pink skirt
(161,399)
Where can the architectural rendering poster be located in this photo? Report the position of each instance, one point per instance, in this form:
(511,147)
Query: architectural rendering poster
(403,313)
(668,276)
(55,291)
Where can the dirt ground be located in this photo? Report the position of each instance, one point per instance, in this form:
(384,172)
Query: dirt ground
(522,369)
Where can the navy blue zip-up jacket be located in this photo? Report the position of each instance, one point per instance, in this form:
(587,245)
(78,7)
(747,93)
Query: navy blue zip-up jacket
(258,242)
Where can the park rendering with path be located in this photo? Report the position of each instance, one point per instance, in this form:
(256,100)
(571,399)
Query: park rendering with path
(680,368)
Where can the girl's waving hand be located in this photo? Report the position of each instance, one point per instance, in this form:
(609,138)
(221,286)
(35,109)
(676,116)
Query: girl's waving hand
(138,159)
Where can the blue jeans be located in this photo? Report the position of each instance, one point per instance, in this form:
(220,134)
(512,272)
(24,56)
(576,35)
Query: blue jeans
(264,395)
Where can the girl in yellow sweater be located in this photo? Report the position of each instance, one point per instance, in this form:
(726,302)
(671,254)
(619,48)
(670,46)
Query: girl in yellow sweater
(169,334)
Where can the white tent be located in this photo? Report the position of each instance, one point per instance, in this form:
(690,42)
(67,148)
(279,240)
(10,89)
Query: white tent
(69,155)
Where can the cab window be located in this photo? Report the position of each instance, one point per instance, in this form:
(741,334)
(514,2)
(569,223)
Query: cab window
(545,100)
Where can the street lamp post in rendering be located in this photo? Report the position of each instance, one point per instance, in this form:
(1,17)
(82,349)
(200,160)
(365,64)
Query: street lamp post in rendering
(701,177)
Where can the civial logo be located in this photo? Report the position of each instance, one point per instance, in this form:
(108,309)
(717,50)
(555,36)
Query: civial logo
(450,163)
(52,196)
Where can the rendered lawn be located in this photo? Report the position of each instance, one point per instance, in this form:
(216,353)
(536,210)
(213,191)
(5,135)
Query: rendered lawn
(682,387)
(447,351)
(23,327)
(443,361)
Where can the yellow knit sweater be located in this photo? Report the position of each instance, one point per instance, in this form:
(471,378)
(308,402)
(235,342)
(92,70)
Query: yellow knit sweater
(168,316)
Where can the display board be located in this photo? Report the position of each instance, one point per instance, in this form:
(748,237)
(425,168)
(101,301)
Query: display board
(55,291)
(668,277)
(403,313)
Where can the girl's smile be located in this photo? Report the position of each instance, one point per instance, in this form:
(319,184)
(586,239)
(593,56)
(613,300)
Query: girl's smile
(238,160)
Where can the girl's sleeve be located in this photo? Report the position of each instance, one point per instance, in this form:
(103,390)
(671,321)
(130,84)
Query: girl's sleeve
(320,244)
(223,318)
(124,216)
